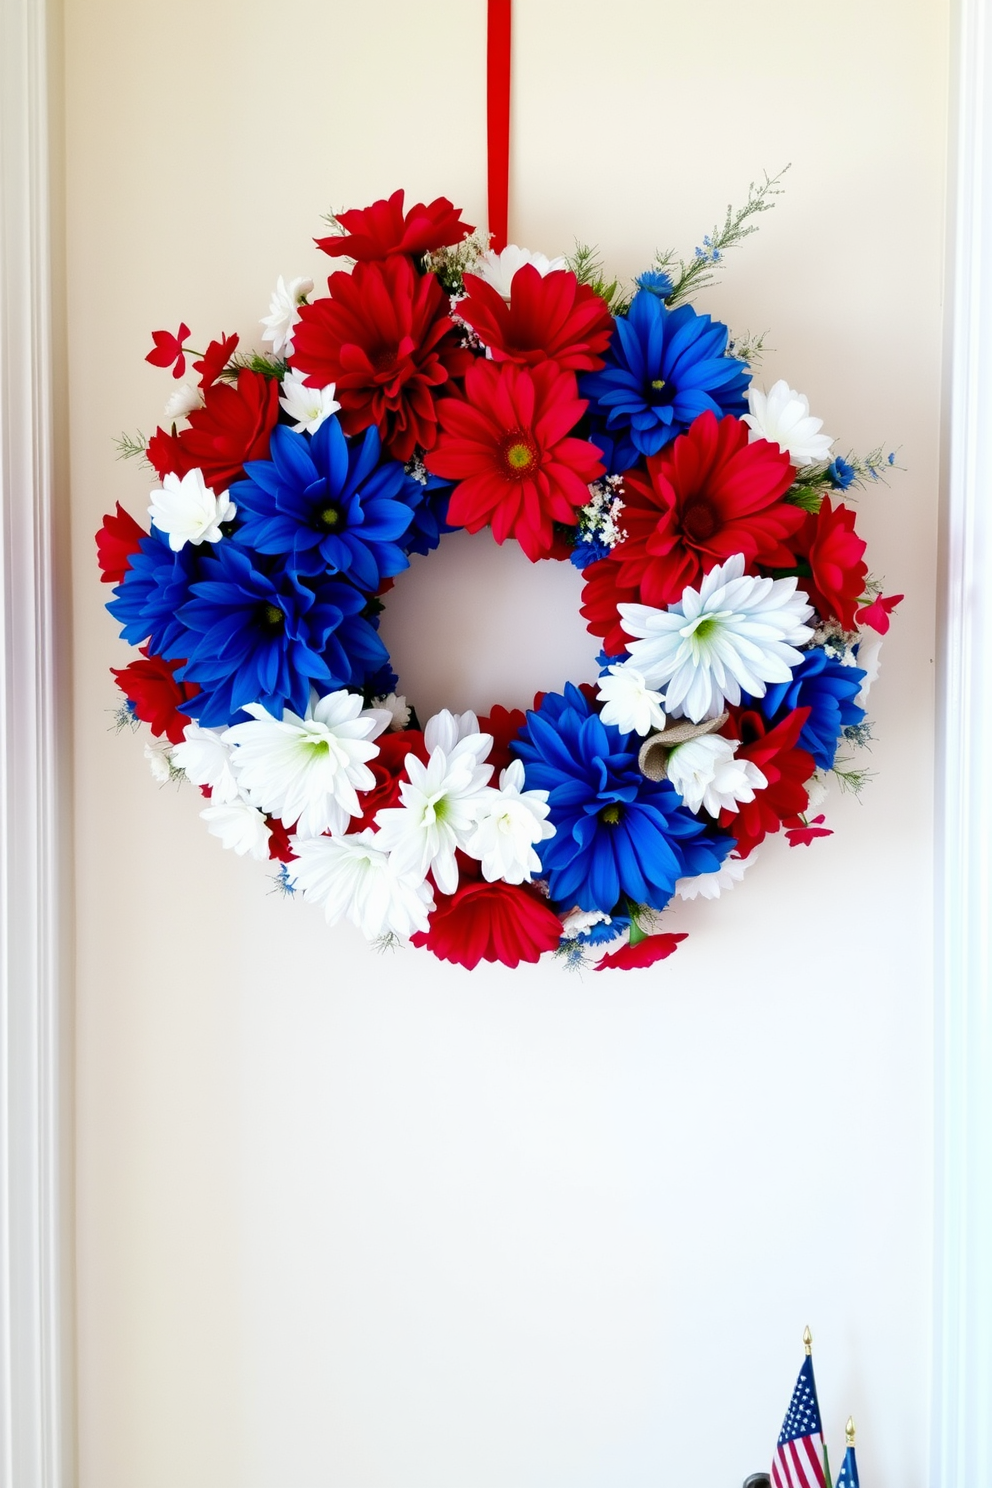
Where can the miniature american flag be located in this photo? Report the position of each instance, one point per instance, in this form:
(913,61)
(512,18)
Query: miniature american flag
(799,1454)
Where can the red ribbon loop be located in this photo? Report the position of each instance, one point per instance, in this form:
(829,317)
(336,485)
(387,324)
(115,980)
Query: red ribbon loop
(498,118)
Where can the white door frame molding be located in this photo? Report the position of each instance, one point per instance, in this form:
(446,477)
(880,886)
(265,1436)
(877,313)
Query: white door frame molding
(36,1346)
(962,1420)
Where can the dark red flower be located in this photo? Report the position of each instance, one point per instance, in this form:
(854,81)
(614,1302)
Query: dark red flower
(833,551)
(801,833)
(233,426)
(550,317)
(215,359)
(388,767)
(601,596)
(491,922)
(504,724)
(279,848)
(786,768)
(380,230)
(507,444)
(116,540)
(386,341)
(877,613)
(157,698)
(168,350)
(645,953)
(707,495)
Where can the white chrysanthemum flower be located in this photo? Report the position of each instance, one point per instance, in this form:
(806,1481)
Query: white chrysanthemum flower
(720,881)
(397,708)
(308,406)
(353,878)
(205,759)
(706,773)
(158,753)
(782,417)
(442,800)
(581,920)
(731,633)
(238,826)
(187,510)
(633,706)
(869,650)
(283,314)
(511,820)
(816,789)
(308,770)
(183,401)
(498,269)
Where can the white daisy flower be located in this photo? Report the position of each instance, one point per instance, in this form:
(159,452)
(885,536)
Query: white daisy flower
(397,708)
(782,417)
(706,774)
(308,770)
(712,885)
(239,826)
(187,510)
(309,407)
(731,633)
(631,704)
(284,313)
(510,821)
(353,878)
(183,401)
(158,753)
(205,759)
(498,269)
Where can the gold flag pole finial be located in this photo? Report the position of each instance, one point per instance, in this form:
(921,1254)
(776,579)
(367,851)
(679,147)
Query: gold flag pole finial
(849,1431)
(807,1341)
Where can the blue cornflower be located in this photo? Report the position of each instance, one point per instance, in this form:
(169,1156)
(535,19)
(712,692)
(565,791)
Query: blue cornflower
(605,931)
(617,833)
(429,501)
(589,551)
(155,585)
(828,688)
(840,473)
(655,283)
(329,503)
(664,368)
(259,632)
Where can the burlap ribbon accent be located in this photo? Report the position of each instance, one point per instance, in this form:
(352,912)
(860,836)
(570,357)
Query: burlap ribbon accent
(653,754)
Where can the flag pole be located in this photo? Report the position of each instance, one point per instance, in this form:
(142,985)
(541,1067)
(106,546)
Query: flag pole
(807,1342)
(808,1346)
(849,1432)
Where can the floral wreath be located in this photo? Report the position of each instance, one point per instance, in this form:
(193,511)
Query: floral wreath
(440,385)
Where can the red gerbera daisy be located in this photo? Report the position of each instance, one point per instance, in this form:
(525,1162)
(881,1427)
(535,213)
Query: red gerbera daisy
(377,231)
(550,316)
(786,768)
(834,552)
(491,922)
(233,426)
(707,495)
(644,952)
(117,539)
(386,341)
(507,444)
(157,698)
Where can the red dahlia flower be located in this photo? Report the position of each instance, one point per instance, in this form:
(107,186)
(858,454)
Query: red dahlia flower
(116,540)
(386,341)
(645,953)
(388,769)
(707,495)
(784,766)
(506,443)
(491,922)
(550,317)
(380,230)
(157,698)
(834,552)
(233,426)
(168,350)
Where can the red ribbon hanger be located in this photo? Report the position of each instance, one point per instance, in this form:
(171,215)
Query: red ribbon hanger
(498,117)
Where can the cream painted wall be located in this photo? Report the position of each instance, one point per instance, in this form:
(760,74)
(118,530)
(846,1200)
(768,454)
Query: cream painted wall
(359,1222)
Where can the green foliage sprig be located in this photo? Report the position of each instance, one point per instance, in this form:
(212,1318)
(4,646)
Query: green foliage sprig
(698,272)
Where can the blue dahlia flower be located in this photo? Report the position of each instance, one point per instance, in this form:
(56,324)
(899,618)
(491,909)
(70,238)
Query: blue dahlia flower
(664,368)
(617,833)
(329,503)
(258,632)
(155,585)
(840,473)
(828,688)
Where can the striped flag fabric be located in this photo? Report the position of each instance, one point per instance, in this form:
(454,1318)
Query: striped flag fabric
(799,1454)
